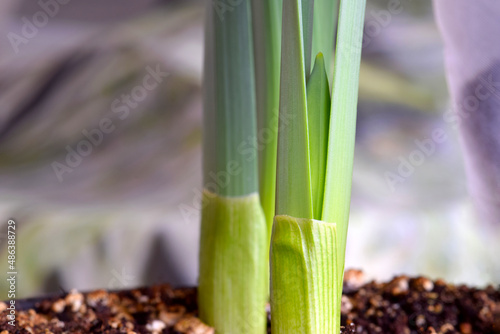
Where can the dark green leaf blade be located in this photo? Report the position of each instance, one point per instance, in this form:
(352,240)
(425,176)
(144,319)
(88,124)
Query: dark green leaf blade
(318,115)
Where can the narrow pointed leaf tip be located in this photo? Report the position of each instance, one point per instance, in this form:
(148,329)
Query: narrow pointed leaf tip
(318,116)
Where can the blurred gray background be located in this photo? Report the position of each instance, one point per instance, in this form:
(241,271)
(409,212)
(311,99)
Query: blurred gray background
(126,213)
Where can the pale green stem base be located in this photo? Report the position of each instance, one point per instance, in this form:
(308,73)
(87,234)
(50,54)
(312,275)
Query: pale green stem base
(305,291)
(233,282)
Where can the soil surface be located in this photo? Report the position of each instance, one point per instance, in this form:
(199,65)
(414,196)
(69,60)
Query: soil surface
(418,305)
(402,306)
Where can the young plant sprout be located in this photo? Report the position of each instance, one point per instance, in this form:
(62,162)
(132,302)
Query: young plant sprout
(258,59)
(314,174)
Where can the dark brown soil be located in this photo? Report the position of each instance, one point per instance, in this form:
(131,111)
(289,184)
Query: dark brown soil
(418,305)
(158,309)
(402,306)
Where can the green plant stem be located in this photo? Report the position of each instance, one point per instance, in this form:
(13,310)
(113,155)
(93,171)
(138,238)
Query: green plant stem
(340,159)
(233,282)
(230,145)
(233,286)
(315,162)
(266,18)
(304,291)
